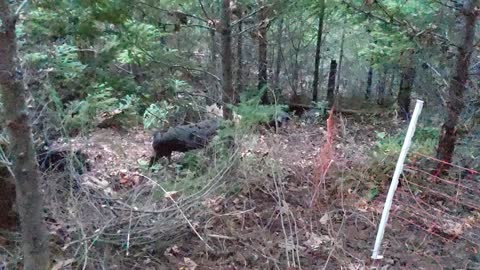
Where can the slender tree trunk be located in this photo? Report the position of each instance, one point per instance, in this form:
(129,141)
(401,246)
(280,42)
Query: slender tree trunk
(278,58)
(239,62)
(316,72)
(262,54)
(227,81)
(340,61)
(392,84)
(331,83)
(406,85)
(213,89)
(369,83)
(163,40)
(381,87)
(295,73)
(456,103)
(24,164)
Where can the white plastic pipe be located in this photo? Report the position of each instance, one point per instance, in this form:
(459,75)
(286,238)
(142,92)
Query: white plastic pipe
(396,176)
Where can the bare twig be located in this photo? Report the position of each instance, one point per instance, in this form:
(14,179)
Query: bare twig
(19,9)
(179,209)
(204,11)
(128,234)
(247,16)
(170,11)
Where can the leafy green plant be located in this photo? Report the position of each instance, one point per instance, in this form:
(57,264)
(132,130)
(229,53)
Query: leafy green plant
(139,39)
(317,114)
(66,62)
(194,161)
(253,113)
(81,114)
(321,105)
(36,59)
(156,115)
(129,108)
(372,193)
(424,141)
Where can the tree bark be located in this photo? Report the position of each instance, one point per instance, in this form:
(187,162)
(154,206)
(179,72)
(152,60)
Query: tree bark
(227,81)
(24,165)
(239,85)
(262,54)
(456,103)
(213,92)
(316,73)
(381,87)
(8,217)
(391,85)
(163,39)
(368,91)
(406,85)
(296,72)
(340,61)
(278,58)
(331,83)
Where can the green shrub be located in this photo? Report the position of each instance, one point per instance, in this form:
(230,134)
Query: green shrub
(424,141)
(156,115)
(81,115)
(385,155)
(253,113)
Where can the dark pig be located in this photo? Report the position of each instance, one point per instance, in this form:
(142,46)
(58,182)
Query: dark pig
(184,138)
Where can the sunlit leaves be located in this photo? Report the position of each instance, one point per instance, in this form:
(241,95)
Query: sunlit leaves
(139,39)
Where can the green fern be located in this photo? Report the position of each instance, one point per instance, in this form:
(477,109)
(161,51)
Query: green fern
(80,113)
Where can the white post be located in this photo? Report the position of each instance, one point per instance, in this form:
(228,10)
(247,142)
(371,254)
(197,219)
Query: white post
(396,176)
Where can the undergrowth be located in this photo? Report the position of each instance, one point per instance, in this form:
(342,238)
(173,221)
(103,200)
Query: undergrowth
(424,141)
(253,113)
(381,165)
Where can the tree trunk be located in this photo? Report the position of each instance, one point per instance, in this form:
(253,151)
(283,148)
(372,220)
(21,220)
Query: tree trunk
(163,39)
(391,85)
(316,73)
(369,82)
(24,165)
(278,58)
(227,81)
(406,85)
(295,73)
(381,88)
(213,92)
(8,216)
(456,103)
(331,83)
(239,63)
(340,60)
(262,54)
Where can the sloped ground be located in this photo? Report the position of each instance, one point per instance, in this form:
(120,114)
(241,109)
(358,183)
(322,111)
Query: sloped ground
(269,223)
(113,153)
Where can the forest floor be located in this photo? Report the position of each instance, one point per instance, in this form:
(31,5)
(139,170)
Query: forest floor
(270,221)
